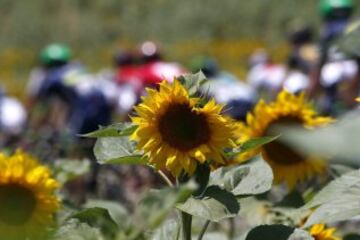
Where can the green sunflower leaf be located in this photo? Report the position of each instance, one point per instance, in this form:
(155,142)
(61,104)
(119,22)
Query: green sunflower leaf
(117,150)
(76,230)
(254,143)
(202,175)
(352,236)
(170,229)
(249,145)
(114,130)
(117,212)
(300,234)
(156,205)
(192,82)
(293,199)
(270,232)
(337,142)
(135,159)
(215,204)
(339,200)
(251,178)
(97,217)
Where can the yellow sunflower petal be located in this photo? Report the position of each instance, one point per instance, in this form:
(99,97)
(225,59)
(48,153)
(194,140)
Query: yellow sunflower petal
(27,200)
(320,232)
(288,165)
(174,133)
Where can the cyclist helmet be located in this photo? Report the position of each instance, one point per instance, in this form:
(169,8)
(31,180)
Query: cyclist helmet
(336,9)
(55,55)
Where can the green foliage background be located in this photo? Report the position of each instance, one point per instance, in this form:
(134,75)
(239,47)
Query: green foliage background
(85,23)
(96,28)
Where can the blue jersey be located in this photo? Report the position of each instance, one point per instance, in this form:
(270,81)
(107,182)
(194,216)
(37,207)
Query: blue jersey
(87,110)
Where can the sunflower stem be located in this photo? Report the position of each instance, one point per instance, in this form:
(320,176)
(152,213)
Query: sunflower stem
(186,220)
(231,228)
(203,230)
(165,178)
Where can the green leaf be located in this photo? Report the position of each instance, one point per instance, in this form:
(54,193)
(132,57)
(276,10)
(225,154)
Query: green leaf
(117,150)
(300,234)
(169,230)
(68,169)
(339,200)
(202,175)
(249,145)
(192,82)
(293,200)
(114,130)
(155,206)
(97,217)
(117,212)
(352,236)
(337,142)
(75,230)
(254,143)
(215,204)
(337,170)
(270,232)
(251,178)
(135,159)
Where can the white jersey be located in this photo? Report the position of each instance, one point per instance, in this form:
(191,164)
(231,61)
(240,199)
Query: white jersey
(338,71)
(296,81)
(12,115)
(226,88)
(268,76)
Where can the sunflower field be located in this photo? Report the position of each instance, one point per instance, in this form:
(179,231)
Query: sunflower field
(275,176)
(204,152)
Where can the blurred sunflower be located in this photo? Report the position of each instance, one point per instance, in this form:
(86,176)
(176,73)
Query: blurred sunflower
(320,232)
(288,164)
(176,134)
(27,201)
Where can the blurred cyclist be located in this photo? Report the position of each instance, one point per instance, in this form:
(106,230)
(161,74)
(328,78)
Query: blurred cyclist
(12,119)
(349,44)
(225,88)
(336,16)
(129,81)
(302,58)
(76,103)
(154,69)
(79,105)
(265,76)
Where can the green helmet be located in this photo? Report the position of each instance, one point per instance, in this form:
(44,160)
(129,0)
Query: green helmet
(55,53)
(327,7)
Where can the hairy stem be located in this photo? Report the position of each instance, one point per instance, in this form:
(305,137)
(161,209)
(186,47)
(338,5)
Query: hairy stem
(203,230)
(186,220)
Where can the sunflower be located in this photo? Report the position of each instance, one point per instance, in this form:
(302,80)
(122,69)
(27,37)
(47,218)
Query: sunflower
(320,232)
(176,134)
(288,164)
(27,202)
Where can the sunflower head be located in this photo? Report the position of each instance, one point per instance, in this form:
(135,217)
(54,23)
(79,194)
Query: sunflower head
(288,164)
(176,134)
(320,232)
(27,200)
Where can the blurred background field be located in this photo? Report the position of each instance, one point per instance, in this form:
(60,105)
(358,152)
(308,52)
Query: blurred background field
(72,72)
(228,31)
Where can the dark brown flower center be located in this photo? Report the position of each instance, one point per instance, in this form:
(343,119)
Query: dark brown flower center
(183,128)
(279,152)
(16,204)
